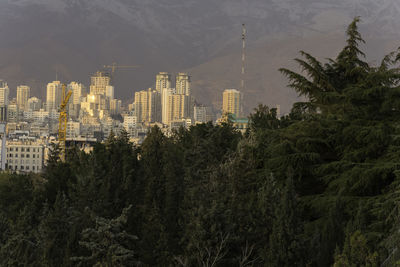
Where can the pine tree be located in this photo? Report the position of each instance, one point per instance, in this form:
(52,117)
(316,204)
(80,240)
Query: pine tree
(285,244)
(108,242)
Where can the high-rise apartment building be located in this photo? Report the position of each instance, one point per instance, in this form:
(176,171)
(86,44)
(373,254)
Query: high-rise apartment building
(142,106)
(177,107)
(4,93)
(163,81)
(155,106)
(78,90)
(166,92)
(99,82)
(147,106)
(34,104)
(231,103)
(182,84)
(115,106)
(53,96)
(23,94)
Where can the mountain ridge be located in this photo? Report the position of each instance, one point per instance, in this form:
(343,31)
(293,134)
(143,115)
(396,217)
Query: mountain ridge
(76,37)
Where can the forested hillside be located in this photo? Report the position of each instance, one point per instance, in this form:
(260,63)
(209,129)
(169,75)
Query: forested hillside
(319,187)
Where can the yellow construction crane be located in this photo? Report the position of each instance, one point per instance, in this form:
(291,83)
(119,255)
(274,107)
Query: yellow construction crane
(62,122)
(115,66)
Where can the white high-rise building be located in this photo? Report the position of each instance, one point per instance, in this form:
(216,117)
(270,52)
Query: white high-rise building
(99,83)
(4,93)
(34,104)
(78,91)
(53,96)
(23,94)
(183,84)
(163,81)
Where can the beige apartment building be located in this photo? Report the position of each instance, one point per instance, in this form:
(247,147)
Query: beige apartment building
(178,107)
(231,102)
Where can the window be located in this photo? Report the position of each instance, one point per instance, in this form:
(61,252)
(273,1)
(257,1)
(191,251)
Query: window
(22,167)
(23,149)
(34,150)
(16,155)
(22,155)
(27,155)
(16,149)
(33,167)
(27,167)
(27,150)
(11,149)
(33,156)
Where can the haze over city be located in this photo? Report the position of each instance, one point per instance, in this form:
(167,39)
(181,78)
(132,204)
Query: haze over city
(76,38)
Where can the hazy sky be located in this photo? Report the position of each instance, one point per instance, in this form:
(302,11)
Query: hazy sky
(77,37)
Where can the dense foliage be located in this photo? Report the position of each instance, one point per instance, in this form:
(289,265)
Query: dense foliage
(318,187)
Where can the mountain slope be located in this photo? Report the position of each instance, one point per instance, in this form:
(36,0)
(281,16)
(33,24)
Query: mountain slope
(76,37)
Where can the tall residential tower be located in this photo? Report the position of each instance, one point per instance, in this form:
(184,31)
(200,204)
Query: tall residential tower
(231,103)
(53,96)
(183,84)
(23,94)
(4,92)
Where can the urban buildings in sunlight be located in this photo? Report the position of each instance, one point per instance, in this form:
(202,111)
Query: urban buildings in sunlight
(94,112)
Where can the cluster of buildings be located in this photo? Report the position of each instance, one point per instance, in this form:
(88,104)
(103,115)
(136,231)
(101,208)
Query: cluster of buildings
(32,124)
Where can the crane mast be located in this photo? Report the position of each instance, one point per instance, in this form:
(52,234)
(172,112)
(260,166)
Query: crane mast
(62,122)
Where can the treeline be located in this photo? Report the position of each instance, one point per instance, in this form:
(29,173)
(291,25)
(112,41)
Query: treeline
(318,187)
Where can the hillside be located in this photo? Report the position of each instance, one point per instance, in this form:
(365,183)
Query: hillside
(76,37)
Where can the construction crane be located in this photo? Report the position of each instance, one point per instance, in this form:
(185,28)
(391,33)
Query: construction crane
(62,122)
(115,66)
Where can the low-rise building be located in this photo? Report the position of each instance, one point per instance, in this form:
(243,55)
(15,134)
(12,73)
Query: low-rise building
(25,156)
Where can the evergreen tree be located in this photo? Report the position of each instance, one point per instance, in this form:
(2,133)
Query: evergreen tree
(108,242)
(285,244)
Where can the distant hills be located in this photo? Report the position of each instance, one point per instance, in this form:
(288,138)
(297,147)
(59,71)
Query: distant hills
(76,37)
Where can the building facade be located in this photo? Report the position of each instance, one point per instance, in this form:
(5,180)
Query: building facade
(182,84)
(25,156)
(53,95)
(4,93)
(23,94)
(177,108)
(231,103)
(163,81)
(99,82)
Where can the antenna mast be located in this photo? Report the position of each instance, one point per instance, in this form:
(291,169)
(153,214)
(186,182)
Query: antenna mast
(243,54)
